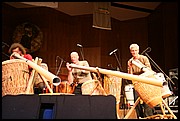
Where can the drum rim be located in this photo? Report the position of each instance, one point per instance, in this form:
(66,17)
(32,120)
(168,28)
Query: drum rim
(93,80)
(12,61)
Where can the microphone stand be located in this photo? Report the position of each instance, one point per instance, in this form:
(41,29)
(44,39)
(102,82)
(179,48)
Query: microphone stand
(4,44)
(157,67)
(58,70)
(59,66)
(82,53)
(5,54)
(123,92)
(118,62)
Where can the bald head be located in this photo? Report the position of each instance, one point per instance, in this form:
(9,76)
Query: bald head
(74,57)
(74,54)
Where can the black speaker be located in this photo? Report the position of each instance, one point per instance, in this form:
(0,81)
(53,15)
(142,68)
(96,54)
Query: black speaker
(20,107)
(58,107)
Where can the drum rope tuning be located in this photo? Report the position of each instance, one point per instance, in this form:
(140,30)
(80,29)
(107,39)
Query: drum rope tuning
(15,75)
(165,91)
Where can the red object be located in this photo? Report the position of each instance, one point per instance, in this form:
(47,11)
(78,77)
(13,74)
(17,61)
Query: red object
(28,56)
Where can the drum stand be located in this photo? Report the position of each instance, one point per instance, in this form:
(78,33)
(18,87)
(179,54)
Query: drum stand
(31,80)
(163,111)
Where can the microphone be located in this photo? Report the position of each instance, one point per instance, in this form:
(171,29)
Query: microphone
(79,45)
(60,59)
(113,52)
(148,49)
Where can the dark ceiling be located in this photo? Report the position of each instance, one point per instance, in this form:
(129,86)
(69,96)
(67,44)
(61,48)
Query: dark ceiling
(118,10)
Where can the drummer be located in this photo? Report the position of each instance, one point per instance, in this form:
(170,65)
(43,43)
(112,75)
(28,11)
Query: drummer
(17,48)
(142,110)
(20,50)
(76,76)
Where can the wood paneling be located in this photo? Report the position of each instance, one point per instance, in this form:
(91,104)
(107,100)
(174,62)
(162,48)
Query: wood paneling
(62,32)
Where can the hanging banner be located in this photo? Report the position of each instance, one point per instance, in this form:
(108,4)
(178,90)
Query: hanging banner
(101,15)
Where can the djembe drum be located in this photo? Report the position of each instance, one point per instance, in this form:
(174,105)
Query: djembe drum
(150,94)
(92,87)
(112,86)
(15,77)
(65,87)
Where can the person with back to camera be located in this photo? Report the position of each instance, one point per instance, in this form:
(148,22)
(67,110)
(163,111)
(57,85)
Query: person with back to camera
(77,76)
(142,109)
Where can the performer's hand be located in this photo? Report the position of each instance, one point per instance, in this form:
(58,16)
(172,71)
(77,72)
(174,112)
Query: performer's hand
(68,67)
(129,64)
(14,53)
(130,67)
(12,57)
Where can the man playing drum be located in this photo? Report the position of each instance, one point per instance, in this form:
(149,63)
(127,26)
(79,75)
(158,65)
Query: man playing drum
(21,50)
(77,76)
(132,69)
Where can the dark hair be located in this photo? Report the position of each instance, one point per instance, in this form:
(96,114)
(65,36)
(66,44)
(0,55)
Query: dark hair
(17,45)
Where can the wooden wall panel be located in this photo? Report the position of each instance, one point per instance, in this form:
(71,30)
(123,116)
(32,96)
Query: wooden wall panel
(163,37)
(92,55)
(62,32)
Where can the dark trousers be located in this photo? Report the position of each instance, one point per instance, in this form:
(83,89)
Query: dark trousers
(142,110)
(77,90)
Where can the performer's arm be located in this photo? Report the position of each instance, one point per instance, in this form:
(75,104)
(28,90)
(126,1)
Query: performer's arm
(70,75)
